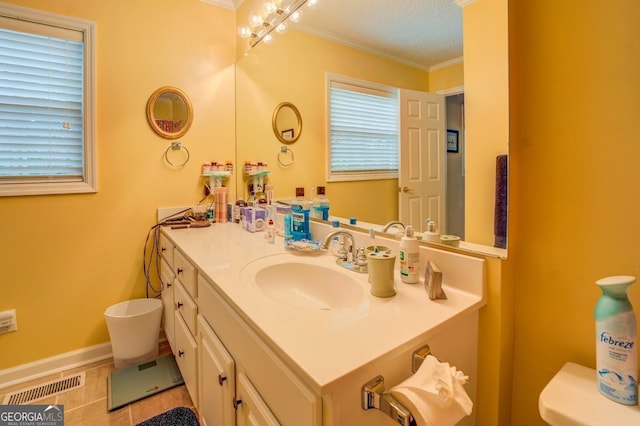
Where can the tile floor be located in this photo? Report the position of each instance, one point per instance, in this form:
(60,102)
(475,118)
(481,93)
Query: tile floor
(87,406)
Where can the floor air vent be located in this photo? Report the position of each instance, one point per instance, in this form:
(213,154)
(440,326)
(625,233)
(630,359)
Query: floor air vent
(35,393)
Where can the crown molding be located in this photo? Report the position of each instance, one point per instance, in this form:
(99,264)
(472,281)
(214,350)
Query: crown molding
(463,3)
(227,4)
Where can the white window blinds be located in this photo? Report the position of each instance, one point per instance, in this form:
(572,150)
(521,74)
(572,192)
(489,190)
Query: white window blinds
(363,130)
(41,105)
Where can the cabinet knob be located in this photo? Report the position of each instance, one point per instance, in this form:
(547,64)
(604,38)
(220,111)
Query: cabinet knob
(169,285)
(179,305)
(221,379)
(180,353)
(163,249)
(236,402)
(180,270)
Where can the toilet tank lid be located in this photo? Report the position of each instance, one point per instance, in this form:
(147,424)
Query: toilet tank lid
(572,398)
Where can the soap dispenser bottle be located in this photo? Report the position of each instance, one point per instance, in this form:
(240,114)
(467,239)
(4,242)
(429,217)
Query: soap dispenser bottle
(431,234)
(409,257)
(616,335)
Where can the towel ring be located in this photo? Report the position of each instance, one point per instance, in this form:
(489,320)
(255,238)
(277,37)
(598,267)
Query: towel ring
(176,146)
(285,150)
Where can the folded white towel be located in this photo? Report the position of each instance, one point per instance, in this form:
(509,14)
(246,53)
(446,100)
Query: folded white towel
(435,394)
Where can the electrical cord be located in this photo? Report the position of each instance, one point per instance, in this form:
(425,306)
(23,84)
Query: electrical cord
(154,233)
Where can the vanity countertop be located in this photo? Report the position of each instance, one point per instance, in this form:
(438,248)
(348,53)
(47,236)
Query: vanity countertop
(326,345)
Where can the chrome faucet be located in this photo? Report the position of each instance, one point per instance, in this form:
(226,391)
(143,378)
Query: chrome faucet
(391,224)
(352,258)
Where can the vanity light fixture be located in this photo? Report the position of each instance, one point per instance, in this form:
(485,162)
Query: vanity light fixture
(273,16)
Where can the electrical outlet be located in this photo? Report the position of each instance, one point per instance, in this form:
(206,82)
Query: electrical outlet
(8,321)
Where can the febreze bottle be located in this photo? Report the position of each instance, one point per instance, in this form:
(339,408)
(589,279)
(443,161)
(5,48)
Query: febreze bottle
(616,352)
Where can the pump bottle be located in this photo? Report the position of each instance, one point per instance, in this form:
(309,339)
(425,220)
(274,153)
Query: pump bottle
(409,257)
(616,338)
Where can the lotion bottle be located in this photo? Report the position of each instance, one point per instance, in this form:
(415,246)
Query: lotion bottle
(431,234)
(616,336)
(409,257)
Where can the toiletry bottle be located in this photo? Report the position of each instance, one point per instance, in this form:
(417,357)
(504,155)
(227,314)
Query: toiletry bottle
(616,335)
(321,205)
(287,225)
(431,234)
(409,257)
(270,233)
(300,223)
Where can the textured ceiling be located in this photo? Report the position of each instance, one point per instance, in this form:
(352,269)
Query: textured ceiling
(422,33)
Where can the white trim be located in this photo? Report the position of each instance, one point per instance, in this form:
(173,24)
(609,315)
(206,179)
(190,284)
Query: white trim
(464,3)
(451,91)
(227,4)
(55,364)
(445,64)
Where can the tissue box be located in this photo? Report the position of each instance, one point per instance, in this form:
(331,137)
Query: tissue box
(253,218)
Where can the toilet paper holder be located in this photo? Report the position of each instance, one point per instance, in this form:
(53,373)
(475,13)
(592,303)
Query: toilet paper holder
(374,395)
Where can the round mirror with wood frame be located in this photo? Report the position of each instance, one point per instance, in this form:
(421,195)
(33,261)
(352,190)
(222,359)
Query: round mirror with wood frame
(286,122)
(169,112)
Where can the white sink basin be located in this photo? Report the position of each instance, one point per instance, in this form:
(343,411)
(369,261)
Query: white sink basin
(306,283)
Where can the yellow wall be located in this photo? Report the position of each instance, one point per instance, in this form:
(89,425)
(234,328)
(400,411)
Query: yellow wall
(574,204)
(447,77)
(486,111)
(66,258)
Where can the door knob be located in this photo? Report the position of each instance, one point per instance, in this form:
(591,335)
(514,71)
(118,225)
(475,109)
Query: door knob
(405,189)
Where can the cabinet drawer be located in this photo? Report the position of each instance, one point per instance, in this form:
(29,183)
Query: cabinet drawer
(186,306)
(186,273)
(290,400)
(166,249)
(187,357)
(166,275)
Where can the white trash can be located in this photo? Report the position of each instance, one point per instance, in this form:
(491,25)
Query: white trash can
(134,329)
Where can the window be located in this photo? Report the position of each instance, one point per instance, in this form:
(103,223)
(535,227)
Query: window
(363,130)
(47,138)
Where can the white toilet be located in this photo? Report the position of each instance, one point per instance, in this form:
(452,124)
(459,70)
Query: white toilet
(134,328)
(572,398)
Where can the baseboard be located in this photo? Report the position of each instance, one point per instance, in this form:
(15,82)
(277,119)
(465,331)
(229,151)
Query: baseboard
(55,364)
(58,363)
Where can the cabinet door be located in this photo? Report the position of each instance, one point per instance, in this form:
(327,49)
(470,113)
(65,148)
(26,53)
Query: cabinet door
(187,357)
(216,379)
(252,410)
(166,275)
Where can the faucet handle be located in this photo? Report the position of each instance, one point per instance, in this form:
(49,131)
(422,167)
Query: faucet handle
(361,258)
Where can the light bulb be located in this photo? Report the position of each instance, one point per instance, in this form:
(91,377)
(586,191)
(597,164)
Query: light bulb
(268,39)
(269,9)
(282,28)
(244,31)
(312,3)
(296,16)
(255,20)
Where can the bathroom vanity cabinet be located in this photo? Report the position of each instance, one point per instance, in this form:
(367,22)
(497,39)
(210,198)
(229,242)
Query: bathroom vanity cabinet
(250,360)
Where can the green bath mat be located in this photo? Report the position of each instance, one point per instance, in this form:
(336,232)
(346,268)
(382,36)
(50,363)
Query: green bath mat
(130,384)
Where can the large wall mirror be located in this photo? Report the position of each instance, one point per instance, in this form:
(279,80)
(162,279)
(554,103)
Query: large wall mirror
(272,73)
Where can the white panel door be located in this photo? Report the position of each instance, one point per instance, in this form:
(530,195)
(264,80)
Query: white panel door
(422,180)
